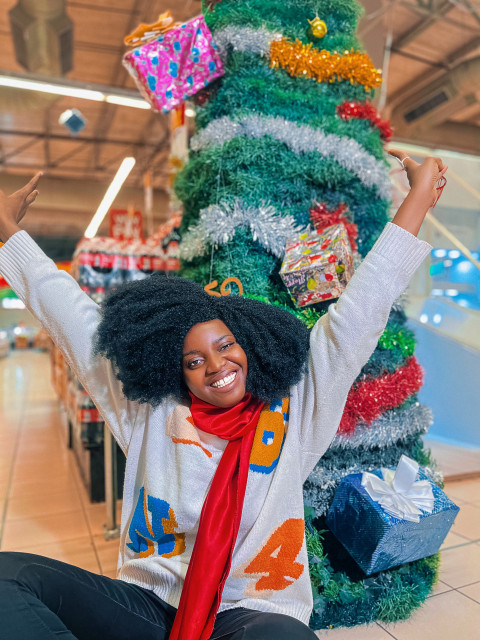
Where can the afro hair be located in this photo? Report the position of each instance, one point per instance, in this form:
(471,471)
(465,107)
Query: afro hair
(144,324)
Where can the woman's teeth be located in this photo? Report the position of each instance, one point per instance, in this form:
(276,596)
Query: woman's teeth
(224,381)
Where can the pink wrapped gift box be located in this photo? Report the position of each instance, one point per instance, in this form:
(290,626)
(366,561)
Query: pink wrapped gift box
(176,65)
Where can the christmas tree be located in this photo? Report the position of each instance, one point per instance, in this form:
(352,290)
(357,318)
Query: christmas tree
(286,138)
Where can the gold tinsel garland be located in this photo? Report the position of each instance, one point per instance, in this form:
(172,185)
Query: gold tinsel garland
(300,59)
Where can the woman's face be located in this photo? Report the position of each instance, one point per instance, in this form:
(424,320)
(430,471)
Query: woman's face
(214,364)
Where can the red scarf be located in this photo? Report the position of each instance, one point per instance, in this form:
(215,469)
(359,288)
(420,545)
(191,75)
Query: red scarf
(220,518)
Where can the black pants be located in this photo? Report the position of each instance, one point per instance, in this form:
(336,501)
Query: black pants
(44,599)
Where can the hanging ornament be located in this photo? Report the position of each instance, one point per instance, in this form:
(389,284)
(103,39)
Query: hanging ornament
(318,27)
(225,290)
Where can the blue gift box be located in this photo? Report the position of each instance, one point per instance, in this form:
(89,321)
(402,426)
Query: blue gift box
(377,540)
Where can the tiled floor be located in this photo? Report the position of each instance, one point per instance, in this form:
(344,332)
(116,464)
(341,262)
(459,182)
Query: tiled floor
(44,509)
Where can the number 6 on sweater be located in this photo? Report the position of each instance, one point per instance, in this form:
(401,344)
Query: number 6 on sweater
(274,567)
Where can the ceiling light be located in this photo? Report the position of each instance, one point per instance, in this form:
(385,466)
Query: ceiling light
(464,267)
(71,89)
(47,87)
(123,101)
(110,195)
(424,318)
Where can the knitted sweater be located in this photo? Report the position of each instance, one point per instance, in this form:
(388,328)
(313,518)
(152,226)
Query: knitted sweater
(170,464)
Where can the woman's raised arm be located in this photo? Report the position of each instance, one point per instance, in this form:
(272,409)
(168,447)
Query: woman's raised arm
(66,312)
(343,339)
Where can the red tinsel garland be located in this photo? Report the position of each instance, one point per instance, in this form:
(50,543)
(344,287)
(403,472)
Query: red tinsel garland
(365,111)
(369,399)
(322,218)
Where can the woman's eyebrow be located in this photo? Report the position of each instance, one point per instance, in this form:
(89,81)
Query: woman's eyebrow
(189,353)
(227,335)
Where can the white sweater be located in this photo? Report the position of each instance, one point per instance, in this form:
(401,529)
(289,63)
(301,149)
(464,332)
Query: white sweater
(170,464)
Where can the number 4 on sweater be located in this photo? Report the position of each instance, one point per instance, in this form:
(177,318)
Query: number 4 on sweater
(274,567)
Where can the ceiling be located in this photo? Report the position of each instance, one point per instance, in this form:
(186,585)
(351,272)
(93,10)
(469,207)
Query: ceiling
(32,138)
(428,42)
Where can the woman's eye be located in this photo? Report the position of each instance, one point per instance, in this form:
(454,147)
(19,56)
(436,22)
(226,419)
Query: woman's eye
(225,346)
(193,364)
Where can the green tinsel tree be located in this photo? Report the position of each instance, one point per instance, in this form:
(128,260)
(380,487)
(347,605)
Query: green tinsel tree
(269,146)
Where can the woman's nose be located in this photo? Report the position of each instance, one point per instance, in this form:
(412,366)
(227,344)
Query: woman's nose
(214,363)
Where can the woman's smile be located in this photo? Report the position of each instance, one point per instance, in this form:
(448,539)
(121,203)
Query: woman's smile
(226,382)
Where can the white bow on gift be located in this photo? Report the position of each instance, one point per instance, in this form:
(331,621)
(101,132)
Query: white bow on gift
(398,493)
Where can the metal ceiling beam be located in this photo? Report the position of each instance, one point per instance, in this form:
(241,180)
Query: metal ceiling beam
(22,147)
(462,52)
(415,8)
(472,10)
(448,63)
(98,175)
(66,156)
(411,56)
(439,9)
(89,140)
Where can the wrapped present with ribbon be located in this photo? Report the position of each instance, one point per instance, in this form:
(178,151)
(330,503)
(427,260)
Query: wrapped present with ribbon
(390,517)
(317,265)
(173,62)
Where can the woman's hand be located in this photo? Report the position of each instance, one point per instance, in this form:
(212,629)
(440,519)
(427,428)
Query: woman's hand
(422,177)
(423,193)
(14,207)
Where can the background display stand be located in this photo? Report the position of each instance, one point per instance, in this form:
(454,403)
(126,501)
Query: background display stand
(111,529)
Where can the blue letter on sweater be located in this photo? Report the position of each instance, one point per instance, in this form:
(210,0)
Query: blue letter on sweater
(155,533)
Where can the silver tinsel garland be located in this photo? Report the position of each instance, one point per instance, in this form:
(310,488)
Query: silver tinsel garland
(300,139)
(218,222)
(391,427)
(245,39)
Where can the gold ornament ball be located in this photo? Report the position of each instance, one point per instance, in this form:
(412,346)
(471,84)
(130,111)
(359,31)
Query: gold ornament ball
(319,28)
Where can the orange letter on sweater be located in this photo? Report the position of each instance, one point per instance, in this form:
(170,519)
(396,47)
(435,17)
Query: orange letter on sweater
(276,560)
